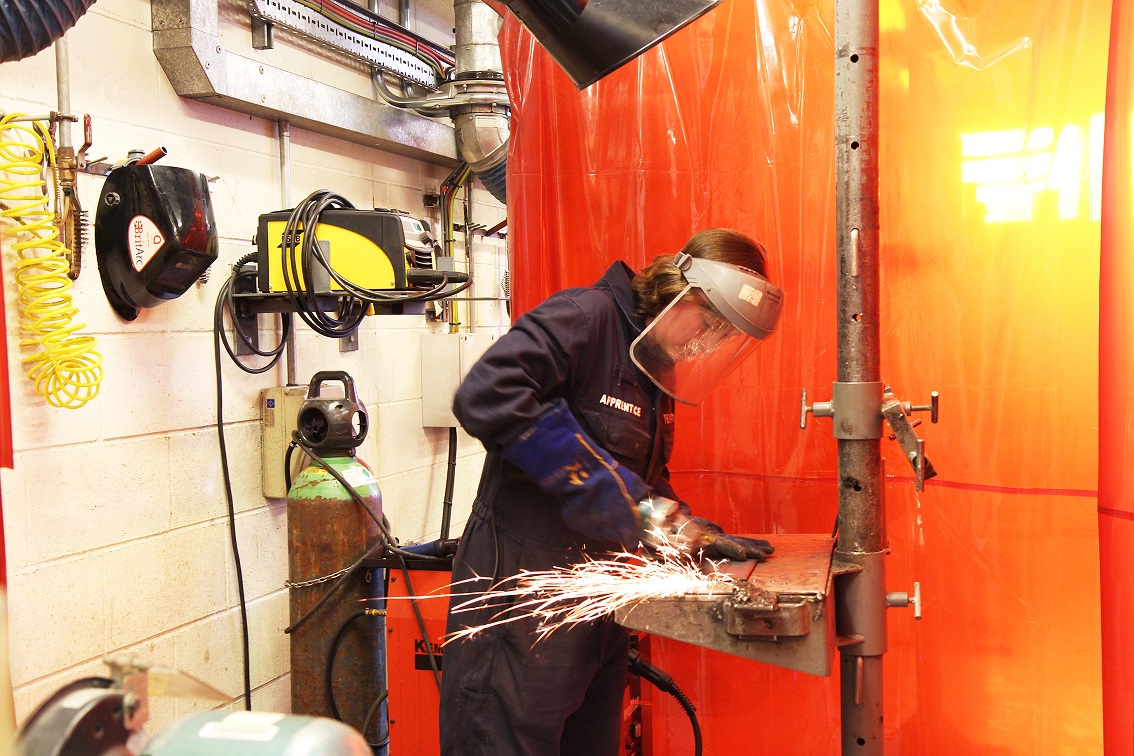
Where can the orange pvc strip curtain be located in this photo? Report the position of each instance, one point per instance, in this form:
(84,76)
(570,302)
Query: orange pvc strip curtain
(991,155)
(1116,388)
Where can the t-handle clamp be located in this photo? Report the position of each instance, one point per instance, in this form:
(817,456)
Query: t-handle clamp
(931,408)
(895,413)
(902,599)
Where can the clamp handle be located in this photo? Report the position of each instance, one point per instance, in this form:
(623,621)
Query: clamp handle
(903,599)
(931,408)
(819,409)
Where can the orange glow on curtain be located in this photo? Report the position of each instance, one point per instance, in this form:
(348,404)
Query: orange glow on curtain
(990,196)
(1116,390)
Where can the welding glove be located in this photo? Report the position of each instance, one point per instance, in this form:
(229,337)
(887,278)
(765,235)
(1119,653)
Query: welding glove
(718,545)
(599,497)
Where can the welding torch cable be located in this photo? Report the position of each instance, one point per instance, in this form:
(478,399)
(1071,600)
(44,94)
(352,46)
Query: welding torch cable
(664,682)
(373,296)
(380,297)
(420,621)
(298,240)
(389,541)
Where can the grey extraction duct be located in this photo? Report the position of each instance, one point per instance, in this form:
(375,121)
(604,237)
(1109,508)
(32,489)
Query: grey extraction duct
(475,97)
(28,26)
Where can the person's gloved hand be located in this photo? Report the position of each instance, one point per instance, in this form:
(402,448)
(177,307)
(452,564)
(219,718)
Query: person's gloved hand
(599,496)
(717,544)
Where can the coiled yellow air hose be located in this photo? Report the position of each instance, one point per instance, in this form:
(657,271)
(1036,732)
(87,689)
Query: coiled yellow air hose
(65,367)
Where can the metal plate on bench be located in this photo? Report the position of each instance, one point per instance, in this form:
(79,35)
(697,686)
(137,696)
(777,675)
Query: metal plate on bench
(780,614)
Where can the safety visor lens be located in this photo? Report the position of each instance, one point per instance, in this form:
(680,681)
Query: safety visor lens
(689,347)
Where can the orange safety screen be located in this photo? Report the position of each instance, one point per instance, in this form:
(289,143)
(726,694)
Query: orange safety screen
(991,158)
(1116,388)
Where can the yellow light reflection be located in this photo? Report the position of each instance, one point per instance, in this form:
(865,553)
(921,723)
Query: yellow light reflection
(1011,168)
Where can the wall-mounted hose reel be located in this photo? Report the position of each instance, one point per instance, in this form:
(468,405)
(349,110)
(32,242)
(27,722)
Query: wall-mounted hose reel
(154,235)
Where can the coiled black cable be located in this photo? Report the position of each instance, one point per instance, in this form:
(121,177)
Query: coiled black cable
(225,299)
(301,251)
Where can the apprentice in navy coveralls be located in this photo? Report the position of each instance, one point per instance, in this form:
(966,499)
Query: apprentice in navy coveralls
(500,694)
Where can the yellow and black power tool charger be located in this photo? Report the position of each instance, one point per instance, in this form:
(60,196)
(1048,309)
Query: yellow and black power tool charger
(366,247)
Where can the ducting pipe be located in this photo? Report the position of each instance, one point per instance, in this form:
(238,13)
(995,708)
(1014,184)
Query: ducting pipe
(28,26)
(475,97)
(482,130)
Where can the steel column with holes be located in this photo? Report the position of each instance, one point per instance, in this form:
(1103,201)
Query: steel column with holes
(860,590)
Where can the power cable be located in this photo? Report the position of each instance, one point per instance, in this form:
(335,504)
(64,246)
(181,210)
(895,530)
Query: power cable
(665,683)
(225,299)
(219,338)
(302,251)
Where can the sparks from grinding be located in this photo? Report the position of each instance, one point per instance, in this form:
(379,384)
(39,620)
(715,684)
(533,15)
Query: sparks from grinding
(592,589)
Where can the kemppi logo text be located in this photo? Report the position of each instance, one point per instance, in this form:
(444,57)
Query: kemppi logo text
(419,647)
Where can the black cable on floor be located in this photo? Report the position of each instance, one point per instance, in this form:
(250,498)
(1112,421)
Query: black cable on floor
(232,525)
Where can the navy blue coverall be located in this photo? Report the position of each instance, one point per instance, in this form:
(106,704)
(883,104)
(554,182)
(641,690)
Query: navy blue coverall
(500,694)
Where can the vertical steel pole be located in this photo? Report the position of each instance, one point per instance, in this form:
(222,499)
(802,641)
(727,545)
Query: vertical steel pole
(861,593)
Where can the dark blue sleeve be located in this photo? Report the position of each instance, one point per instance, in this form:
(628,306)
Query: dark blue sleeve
(519,376)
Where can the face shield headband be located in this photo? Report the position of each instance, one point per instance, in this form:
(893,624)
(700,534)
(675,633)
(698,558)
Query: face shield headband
(708,329)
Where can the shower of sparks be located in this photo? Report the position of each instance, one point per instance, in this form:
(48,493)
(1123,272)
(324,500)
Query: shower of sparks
(593,589)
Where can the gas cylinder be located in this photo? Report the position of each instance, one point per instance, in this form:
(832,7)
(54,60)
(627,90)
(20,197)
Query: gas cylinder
(328,530)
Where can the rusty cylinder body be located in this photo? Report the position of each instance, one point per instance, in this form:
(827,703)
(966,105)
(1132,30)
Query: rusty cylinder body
(327,531)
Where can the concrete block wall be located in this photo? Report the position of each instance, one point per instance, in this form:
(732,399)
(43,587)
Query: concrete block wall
(115,515)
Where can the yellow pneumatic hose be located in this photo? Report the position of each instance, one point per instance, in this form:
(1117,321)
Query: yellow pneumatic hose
(65,367)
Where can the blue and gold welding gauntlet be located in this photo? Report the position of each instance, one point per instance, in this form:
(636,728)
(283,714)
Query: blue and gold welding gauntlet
(599,496)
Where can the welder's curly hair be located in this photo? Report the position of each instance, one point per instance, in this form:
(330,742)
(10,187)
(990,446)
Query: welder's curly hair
(658,283)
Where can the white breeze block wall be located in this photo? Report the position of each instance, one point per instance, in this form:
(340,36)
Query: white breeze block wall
(115,516)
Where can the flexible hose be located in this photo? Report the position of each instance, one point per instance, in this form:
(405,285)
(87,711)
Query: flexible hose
(66,368)
(28,27)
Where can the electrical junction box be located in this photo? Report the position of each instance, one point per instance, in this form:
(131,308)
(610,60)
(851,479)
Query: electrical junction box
(445,359)
(279,408)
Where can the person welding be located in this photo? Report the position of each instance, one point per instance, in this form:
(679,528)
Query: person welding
(575,407)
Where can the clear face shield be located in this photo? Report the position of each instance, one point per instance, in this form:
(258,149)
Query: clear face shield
(708,329)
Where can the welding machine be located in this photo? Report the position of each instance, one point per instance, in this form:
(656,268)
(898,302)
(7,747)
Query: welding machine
(411,655)
(367,247)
